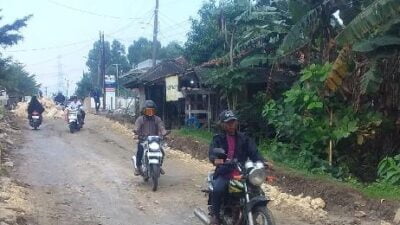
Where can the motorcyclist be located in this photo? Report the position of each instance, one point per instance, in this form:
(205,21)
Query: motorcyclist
(35,106)
(60,98)
(237,146)
(75,104)
(147,125)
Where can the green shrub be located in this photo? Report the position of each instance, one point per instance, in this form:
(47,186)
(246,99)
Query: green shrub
(306,119)
(389,170)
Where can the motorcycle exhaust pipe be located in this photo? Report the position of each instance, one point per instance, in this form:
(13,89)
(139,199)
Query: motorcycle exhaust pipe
(199,213)
(134,162)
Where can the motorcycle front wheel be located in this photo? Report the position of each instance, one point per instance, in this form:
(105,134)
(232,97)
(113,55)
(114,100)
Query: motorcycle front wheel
(262,216)
(155,175)
(71,128)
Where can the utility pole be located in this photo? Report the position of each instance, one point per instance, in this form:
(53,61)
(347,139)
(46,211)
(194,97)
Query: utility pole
(102,71)
(60,76)
(45,91)
(67,88)
(155,33)
(116,79)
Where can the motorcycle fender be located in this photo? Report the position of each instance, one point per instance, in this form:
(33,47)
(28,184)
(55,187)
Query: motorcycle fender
(154,161)
(154,155)
(257,201)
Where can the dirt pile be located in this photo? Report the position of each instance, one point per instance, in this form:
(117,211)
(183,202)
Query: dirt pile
(198,150)
(8,129)
(52,111)
(307,208)
(13,206)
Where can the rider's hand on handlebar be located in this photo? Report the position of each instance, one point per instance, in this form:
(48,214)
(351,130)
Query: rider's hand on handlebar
(218,162)
(269,165)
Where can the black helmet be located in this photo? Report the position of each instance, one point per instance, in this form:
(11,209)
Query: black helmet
(149,104)
(227,115)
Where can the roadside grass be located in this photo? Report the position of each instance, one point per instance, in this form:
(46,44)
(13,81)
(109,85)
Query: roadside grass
(376,190)
(380,190)
(197,134)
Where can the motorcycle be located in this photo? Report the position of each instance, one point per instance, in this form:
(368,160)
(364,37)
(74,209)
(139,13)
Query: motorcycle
(152,160)
(75,122)
(245,203)
(35,121)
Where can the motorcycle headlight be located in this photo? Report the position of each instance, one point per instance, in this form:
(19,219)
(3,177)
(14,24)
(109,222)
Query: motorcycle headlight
(154,146)
(257,176)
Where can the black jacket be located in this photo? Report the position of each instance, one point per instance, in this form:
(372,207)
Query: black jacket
(35,106)
(246,149)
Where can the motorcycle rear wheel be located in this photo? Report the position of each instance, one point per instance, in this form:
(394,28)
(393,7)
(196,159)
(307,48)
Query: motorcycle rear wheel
(155,175)
(263,216)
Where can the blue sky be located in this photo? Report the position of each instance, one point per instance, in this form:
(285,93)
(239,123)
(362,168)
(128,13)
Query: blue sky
(69,28)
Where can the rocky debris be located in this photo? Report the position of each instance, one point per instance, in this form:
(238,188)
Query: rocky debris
(385,223)
(396,220)
(8,133)
(305,207)
(52,111)
(360,214)
(13,204)
(202,165)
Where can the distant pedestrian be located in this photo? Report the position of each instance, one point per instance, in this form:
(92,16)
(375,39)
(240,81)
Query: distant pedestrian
(96,98)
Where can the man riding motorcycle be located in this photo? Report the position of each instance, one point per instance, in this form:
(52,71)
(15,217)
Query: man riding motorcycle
(147,125)
(236,146)
(76,104)
(35,106)
(60,98)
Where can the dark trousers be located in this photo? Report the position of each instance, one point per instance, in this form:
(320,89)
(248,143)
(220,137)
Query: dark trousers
(97,105)
(220,189)
(139,155)
(81,116)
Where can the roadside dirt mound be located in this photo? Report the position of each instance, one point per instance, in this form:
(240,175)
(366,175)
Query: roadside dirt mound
(51,110)
(196,149)
(338,198)
(310,209)
(13,204)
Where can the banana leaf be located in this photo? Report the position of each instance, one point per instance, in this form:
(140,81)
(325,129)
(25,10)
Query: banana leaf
(367,22)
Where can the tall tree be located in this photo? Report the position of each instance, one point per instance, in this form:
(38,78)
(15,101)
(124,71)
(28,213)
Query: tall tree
(84,86)
(16,80)
(171,51)
(204,39)
(93,60)
(140,50)
(118,56)
(9,33)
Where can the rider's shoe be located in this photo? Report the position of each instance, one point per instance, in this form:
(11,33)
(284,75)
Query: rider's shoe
(138,172)
(214,220)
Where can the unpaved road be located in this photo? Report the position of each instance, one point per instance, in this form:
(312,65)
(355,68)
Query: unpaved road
(86,178)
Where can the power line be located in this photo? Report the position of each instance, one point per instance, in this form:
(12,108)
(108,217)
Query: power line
(78,42)
(90,12)
(50,48)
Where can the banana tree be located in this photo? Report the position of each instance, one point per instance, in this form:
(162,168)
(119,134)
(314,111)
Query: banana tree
(371,33)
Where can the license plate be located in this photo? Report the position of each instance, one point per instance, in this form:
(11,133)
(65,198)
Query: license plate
(35,117)
(154,154)
(154,161)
